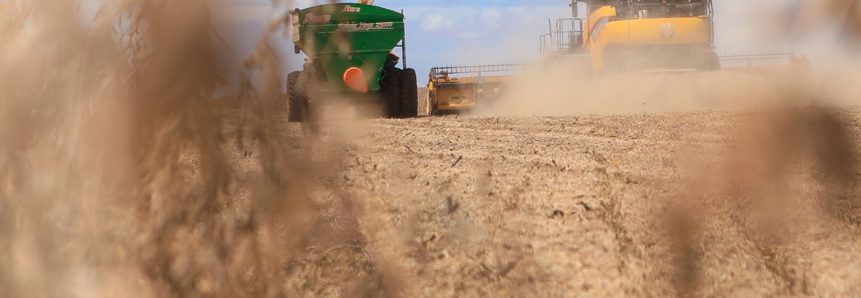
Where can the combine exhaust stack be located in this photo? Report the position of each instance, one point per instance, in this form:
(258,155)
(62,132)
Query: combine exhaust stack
(458,88)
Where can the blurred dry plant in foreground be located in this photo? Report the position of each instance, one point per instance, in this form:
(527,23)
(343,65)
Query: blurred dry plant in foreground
(808,15)
(788,178)
(117,178)
(791,177)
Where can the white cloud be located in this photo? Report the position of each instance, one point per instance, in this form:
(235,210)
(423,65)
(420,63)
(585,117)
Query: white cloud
(491,18)
(469,34)
(437,23)
(484,19)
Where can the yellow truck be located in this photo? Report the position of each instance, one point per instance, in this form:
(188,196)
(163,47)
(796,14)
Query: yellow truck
(637,35)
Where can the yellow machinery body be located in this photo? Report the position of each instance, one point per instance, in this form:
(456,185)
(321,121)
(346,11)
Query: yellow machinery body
(646,38)
(449,93)
(638,36)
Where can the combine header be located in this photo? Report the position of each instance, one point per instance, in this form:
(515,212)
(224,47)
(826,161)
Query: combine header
(762,59)
(458,88)
(349,49)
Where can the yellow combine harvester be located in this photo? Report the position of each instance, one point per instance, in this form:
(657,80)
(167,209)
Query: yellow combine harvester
(637,35)
(457,88)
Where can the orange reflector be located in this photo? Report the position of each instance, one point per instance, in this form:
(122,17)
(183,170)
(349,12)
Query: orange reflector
(354,77)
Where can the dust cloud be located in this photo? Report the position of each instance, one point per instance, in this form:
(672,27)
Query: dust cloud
(120,175)
(560,93)
(822,73)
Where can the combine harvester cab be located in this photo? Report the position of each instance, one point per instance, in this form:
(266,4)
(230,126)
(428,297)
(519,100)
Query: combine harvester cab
(453,89)
(349,48)
(643,35)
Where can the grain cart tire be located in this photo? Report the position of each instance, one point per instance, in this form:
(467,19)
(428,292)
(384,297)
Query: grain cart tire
(409,94)
(297,99)
(390,90)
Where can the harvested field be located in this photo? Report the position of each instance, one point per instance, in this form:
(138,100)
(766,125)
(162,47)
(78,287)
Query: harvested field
(646,205)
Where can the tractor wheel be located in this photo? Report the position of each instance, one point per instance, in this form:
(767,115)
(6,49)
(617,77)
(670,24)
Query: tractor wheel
(297,99)
(409,94)
(712,62)
(390,90)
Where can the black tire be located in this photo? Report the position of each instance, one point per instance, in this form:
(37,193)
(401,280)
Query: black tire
(297,100)
(409,94)
(712,62)
(390,90)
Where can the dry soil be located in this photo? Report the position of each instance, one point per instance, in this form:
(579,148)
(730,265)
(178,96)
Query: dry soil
(643,205)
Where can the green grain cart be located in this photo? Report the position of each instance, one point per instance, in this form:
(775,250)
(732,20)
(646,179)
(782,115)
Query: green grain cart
(349,49)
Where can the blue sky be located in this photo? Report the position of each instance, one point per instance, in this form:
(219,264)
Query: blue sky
(472,31)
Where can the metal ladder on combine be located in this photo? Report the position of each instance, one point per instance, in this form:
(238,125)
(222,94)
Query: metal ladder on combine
(566,39)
